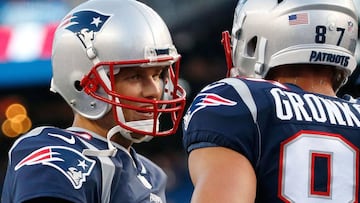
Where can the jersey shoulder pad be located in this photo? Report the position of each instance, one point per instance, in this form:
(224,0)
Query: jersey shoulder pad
(50,135)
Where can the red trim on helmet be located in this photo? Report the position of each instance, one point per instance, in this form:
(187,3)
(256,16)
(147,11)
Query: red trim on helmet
(227,48)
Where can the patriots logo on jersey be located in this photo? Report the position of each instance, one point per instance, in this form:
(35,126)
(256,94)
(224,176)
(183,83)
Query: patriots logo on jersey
(85,24)
(75,166)
(204,100)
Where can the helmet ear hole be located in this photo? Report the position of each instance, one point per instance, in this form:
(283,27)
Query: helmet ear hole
(251,47)
(78,86)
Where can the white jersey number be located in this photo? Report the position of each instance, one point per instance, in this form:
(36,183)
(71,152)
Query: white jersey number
(297,163)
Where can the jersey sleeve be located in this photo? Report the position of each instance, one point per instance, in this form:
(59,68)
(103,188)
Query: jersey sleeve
(45,167)
(222,114)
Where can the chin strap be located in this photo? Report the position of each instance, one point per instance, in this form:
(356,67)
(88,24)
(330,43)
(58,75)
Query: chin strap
(145,125)
(111,151)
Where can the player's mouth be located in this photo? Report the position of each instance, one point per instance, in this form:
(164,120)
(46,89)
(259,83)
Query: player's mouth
(145,114)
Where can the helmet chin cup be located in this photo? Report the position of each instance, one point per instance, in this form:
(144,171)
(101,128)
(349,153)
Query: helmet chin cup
(143,125)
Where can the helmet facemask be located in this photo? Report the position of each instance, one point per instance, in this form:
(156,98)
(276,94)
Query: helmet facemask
(102,79)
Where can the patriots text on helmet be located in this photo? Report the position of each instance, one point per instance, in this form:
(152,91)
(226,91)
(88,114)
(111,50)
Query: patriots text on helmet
(312,108)
(317,56)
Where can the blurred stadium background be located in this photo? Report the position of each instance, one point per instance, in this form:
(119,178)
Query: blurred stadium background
(26,33)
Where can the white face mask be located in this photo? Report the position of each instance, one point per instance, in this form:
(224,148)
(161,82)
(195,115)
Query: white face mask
(144,125)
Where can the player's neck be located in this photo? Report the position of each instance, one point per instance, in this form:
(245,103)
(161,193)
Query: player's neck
(315,80)
(96,127)
(319,86)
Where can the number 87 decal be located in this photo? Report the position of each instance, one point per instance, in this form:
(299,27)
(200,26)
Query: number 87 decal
(317,167)
(320,36)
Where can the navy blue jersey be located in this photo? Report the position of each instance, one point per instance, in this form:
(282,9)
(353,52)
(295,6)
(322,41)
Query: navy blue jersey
(304,147)
(48,162)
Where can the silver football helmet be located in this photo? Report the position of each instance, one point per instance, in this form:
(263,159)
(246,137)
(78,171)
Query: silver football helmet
(269,33)
(94,41)
(357,52)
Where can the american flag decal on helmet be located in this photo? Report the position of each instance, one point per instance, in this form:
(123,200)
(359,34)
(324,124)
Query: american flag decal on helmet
(75,166)
(299,19)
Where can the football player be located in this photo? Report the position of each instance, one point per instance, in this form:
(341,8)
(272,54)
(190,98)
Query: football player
(115,64)
(276,131)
